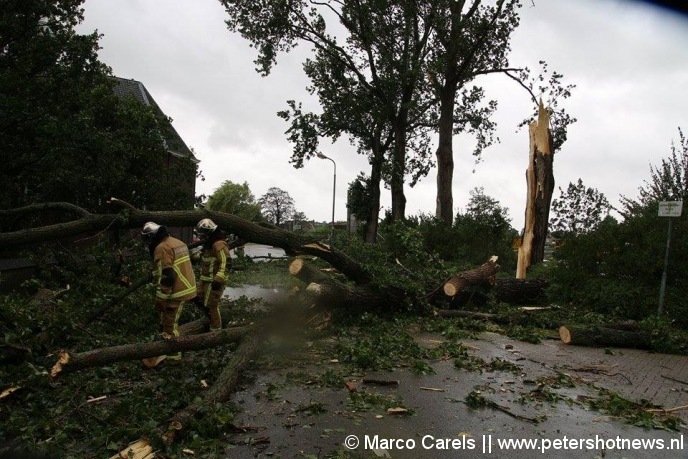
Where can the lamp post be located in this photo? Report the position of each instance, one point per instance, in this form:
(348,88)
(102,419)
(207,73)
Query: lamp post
(334,187)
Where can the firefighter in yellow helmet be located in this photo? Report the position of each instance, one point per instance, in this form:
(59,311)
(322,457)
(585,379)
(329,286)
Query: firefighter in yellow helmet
(216,262)
(173,276)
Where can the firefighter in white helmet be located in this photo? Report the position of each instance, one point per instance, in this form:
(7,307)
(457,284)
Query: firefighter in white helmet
(214,270)
(173,276)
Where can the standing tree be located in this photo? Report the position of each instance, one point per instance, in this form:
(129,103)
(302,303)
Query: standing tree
(470,39)
(579,209)
(69,137)
(235,198)
(277,206)
(380,64)
(668,181)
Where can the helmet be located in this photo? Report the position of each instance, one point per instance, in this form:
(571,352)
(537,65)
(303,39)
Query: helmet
(205,228)
(150,229)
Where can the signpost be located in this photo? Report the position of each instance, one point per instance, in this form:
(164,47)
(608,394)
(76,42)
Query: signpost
(668,209)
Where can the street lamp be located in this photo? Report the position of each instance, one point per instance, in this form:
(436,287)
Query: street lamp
(334,187)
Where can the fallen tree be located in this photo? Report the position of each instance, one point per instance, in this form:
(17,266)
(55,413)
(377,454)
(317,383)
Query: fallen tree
(73,361)
(221,390)
(292,243)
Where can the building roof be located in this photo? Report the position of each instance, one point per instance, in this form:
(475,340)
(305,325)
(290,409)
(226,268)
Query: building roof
(124,88)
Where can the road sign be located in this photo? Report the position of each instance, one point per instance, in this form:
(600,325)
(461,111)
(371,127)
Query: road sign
(670,208)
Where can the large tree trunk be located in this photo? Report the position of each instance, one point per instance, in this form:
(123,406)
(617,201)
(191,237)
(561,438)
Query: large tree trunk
(603,336)
(445,156)
(375,179)
(399,168)
(68,361)
(540,184)
(483,274)
(290,242)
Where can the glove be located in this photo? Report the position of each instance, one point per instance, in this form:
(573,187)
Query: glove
(160,306)
(216,285)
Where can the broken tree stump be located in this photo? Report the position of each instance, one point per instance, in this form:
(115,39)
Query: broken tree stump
(603,336)
(540,185)
(483,274)
(72,361)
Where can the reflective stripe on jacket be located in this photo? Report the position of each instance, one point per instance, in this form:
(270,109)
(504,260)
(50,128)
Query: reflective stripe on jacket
(215,262)
(173,253)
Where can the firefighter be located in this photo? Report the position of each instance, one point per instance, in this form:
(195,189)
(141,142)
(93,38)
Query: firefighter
(173,276)
(214,268)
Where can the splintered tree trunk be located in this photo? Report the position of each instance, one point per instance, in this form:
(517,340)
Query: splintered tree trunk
(70,361)
(483,274)
(598,336)
(540,184)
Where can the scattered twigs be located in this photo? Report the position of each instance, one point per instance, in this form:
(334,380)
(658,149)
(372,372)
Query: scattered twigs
(680,381)
(667,410)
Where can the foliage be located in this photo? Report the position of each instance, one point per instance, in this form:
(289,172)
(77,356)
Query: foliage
(70,138)
(235,198)
(617,268)
(359,197)
(277,206)
(548,85)
(668,181)
(55,415)
(484,216)
(613,404)
(579,209)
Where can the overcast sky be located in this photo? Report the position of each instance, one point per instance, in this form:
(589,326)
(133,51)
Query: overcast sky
(629,61)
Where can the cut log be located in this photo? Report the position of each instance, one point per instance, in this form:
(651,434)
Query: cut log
(306,273)
(71,361)
(540,185)
(483,274)
(598,336)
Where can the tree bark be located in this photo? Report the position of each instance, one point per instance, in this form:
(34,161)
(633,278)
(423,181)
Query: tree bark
(375,179)
(540,185)
(399,167)
(483,274)
(603,336)
(68,361)
(290,242)
(445,155)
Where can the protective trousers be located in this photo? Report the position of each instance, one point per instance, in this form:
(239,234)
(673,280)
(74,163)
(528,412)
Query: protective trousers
(211,301)
(169,318)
